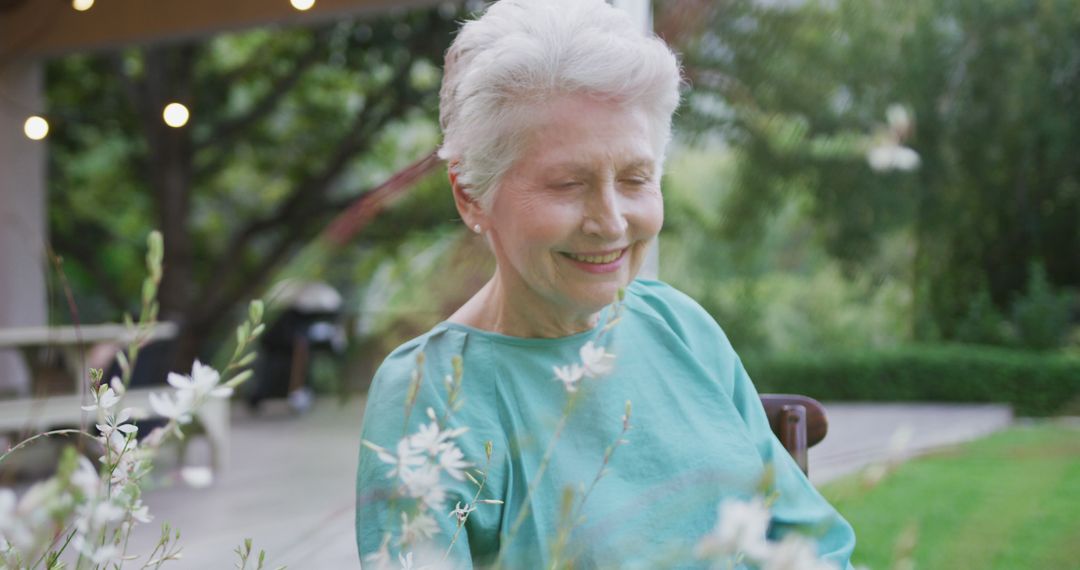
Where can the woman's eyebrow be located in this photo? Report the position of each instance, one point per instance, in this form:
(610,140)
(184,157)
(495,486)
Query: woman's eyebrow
(642,164)
(576,168)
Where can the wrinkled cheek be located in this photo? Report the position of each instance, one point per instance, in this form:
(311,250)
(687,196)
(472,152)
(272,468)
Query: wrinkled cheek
(648,219)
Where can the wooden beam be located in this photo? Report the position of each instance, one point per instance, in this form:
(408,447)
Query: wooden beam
(39,28)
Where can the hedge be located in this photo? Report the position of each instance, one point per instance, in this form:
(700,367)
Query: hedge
(1035,383)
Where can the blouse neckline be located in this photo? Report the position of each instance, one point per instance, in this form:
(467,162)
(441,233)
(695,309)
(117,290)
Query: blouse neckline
(529,341)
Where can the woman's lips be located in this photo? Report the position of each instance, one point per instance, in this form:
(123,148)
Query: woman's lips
(598,262)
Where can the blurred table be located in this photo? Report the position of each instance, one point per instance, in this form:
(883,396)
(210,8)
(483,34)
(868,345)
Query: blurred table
(56,404)
(41,347)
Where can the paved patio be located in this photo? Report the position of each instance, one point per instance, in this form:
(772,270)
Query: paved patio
(290,482)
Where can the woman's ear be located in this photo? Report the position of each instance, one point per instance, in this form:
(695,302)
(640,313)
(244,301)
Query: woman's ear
(467,206)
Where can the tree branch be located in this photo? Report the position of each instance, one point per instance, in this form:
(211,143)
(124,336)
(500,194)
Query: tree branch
(83,252)
(229,129)
(305,197)
(216,298)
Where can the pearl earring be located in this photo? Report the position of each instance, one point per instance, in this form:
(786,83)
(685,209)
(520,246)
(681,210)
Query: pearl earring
(476,228)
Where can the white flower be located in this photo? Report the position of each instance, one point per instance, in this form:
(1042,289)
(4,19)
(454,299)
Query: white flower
(27,524)
(406,561)
(105,555)
(596,361)
(462,513)
(430,439)
(406,458)
(569,375)
(424,484)
(179,409)
(115,422)
(104,513)
(740,527)
(85,478)
(796,552)
(197,477)
(419,528)
(140,512)
(7,506)
(899,119)
(8,502)
(105,398)
(99,556)
(203,382)
(122,453)
(452,460)
(892,156)
(380,559)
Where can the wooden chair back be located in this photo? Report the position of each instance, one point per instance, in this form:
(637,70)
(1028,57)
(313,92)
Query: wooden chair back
(799,422)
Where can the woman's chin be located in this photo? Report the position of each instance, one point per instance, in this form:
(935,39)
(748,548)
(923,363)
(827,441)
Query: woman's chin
(595,296)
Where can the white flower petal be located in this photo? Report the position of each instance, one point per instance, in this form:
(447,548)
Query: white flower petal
(117,385)
(179,382)
(222,392)
(197,477)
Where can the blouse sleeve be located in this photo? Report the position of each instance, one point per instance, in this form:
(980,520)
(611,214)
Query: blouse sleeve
(799,506)
(379,518)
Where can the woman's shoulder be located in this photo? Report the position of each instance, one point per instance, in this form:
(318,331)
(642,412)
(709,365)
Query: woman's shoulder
(658,295)
(429,355)
(670,309)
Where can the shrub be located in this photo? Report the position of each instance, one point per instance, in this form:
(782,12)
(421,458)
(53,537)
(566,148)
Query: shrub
(983,323)
(1035,383)
(1041,314)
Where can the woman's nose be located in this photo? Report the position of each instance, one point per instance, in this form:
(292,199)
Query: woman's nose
(604,216)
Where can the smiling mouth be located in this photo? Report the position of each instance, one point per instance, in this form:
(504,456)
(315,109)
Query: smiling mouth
(597,259)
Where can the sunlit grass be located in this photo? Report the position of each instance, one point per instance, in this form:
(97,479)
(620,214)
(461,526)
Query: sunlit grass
(1009,501)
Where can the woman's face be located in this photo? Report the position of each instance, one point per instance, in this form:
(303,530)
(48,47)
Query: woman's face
(572,219)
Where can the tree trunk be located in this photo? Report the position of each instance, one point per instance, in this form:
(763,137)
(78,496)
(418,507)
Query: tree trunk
(169,164)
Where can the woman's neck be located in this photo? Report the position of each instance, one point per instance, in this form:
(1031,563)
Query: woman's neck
(520,313)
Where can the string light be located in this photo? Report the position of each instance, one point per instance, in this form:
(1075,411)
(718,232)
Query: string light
(82,5)
(176,115)
(302,5)
(36,128)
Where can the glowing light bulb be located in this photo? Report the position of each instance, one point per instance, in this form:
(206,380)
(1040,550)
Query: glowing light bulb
(36,128)
(176,115)
(302,5)
(82,5)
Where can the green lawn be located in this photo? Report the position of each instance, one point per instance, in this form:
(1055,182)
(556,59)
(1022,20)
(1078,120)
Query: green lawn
(1010,501)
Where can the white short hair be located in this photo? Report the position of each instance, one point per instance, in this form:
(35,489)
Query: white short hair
(523,52)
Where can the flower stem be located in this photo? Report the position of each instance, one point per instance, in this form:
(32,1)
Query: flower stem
(30,440)
(476,497)
(575,514)
(537,477)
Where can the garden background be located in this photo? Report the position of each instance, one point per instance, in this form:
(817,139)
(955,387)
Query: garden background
(306,156)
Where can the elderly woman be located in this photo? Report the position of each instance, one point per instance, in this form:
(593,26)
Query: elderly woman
(556,115)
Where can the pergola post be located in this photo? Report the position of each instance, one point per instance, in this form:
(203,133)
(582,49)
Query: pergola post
(641,12)
(22,214)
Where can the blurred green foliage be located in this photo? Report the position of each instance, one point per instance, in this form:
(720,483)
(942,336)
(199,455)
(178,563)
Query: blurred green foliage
(798,90)
(782,292)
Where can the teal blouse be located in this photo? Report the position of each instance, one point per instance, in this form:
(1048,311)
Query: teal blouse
(698,435)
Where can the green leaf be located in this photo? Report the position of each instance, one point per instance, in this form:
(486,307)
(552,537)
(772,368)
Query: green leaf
(239,379)
(242,333)
(255,311)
